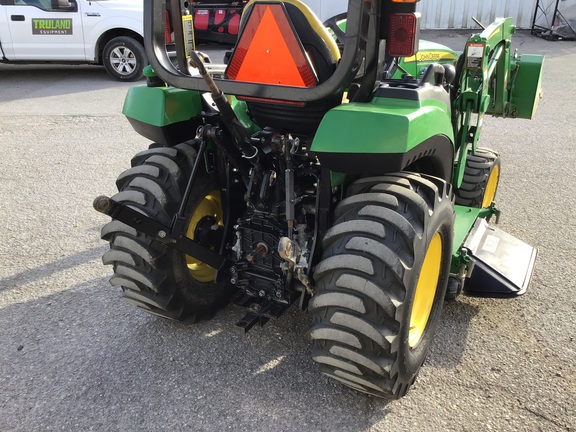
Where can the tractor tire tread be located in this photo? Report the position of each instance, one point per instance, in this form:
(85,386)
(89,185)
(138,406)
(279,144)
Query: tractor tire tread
(477,171)
(143,266)
(360,296)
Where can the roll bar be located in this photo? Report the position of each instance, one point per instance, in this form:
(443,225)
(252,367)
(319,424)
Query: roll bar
(359,35)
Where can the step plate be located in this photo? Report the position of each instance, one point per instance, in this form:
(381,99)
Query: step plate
(503,264)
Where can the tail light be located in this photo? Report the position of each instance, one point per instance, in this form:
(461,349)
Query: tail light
(167,30)
(403,34)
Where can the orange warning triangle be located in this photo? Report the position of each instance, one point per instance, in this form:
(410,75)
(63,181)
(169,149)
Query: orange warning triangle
(269,52)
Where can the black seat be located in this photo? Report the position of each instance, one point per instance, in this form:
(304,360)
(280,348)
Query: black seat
(324,55)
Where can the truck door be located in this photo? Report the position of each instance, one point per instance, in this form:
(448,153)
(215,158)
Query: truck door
(45,29)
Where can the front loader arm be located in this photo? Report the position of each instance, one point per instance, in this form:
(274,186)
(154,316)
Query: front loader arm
(491,80)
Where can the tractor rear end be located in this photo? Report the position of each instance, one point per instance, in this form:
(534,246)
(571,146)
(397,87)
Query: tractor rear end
(324,171)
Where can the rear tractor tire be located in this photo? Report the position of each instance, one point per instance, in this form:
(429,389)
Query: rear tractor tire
(381,282)
(481,177)
(154,276)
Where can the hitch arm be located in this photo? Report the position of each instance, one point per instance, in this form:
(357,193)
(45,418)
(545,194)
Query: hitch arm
(162,233)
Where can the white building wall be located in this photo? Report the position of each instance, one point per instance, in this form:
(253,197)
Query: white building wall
(450,14)
(457,14)
(326,9)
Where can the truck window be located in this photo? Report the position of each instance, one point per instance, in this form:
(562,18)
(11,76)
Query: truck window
(48,5)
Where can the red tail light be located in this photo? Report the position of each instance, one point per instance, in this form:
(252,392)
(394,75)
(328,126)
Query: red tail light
(167,30)
(403,34)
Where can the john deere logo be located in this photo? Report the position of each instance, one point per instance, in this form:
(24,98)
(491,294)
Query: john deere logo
(43,26)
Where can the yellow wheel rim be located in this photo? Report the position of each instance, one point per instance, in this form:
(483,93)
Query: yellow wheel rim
(425,291)
(491,186)
(211,205)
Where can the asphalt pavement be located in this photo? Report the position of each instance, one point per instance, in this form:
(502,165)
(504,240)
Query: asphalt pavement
(75,357)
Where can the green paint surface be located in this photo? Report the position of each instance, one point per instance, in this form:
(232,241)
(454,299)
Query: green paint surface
(161,106)
(384,125)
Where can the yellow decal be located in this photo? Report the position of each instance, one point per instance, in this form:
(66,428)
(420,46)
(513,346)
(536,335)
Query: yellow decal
(430,56)
(494,33)
(188,29)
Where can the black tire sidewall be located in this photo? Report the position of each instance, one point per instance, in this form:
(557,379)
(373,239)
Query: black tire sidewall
(478,183)
(374,305)
(139,54)
(440,222)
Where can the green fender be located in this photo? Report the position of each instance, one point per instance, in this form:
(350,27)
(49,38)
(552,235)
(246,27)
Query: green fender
(389,134)
(165,115)
(169,115)
(161,106)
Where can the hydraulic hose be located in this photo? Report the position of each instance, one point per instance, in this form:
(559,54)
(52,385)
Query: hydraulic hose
(228,116)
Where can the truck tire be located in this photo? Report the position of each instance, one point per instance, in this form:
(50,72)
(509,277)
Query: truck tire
(124,58)
(155,276)
(481,177)
(381,282)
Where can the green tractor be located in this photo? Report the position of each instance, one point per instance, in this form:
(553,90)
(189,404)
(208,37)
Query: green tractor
(337,172)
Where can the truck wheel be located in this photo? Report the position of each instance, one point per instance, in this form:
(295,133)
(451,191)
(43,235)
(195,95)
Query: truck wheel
(157,277)
(480,181)
(381,282)
(124,58)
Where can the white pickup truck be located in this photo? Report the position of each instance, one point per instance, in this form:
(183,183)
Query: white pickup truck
(108,32)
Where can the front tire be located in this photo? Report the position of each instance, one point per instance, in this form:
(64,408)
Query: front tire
(124,58)
(481,178)
(381,282)
(155,276)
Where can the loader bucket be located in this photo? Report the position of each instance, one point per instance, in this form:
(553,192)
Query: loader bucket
(526,86)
